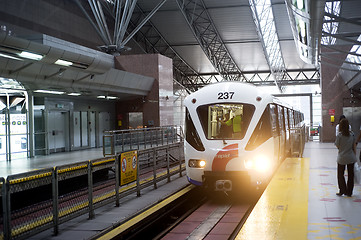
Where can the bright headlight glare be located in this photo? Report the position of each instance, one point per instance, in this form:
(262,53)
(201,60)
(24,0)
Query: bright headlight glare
(262,163)
(196,163)
(259,163)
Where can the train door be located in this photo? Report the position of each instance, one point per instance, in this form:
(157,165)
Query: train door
(282,132)
(84,125)
(57,131)
(287,129)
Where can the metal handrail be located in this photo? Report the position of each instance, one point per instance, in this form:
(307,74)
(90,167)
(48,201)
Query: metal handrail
(134,139)
(60,207)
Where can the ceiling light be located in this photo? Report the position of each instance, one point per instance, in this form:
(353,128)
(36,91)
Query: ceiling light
(9,56)
(110,97)
(49,91)
(100,96)
(30,55)
(74,94)
(63,63)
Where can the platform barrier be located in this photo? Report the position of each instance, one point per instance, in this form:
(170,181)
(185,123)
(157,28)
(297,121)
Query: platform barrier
(64,192)
(134,139)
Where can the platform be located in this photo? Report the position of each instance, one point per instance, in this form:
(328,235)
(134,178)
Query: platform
(301,203)
(22,165)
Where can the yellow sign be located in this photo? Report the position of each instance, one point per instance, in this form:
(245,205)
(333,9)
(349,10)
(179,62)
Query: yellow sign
(128,167)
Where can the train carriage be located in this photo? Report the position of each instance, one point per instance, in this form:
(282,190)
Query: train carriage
(236,135)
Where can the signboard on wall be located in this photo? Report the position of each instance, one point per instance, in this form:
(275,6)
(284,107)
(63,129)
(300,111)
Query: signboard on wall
(128,167)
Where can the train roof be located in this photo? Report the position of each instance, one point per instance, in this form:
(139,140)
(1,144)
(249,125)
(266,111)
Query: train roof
(249,93)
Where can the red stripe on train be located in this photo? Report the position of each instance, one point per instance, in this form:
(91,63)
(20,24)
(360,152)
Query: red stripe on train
(225,155)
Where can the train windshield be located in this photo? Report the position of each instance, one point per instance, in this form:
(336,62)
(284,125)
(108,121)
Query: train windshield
(226,120)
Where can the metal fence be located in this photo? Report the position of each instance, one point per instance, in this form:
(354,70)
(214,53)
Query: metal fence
(65,192)
(143,138)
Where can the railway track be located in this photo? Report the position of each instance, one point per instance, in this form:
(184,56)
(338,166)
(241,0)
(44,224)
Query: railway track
(215,219)
(192,215)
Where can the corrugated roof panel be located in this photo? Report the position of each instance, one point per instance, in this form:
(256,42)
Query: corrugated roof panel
(196,58)
(282,22)
(225,3)
(290,56)
(248,56)
(174,28)
(149,5)
(234,23)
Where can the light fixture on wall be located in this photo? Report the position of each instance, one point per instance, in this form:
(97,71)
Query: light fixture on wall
(15,53)
(107,97)
(74,94)
(63,63)
(49,91)
(30,55)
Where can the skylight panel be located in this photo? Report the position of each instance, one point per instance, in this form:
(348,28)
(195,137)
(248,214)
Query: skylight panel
(330,26)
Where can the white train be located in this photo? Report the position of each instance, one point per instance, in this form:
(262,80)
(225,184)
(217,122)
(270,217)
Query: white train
(236,135)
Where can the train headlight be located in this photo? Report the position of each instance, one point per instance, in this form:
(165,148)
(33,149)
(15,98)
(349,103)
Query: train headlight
(196,163)
(259,163)
(262,163)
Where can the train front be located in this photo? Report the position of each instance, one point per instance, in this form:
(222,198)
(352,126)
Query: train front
(219,147)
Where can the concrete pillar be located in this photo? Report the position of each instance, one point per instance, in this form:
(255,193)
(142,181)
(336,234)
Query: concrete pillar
(157,106)
(335,93)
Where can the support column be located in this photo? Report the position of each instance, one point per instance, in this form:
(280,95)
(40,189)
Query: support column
(334,92)
(31,125)
(157,106)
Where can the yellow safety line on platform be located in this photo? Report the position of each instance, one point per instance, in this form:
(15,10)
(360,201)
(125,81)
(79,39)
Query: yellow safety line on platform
(282,211)
(117,231)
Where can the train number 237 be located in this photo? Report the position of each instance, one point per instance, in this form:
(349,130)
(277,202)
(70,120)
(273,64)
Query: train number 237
(225,95)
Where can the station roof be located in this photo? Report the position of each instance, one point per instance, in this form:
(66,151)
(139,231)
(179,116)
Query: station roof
(259,41)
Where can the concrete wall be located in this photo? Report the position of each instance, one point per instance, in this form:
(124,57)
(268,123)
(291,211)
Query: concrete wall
(335,94)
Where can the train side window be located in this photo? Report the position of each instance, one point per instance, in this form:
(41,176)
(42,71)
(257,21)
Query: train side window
(287,119)
(192,136)
(262,132)
(281,118)
(292,122)
(274,119)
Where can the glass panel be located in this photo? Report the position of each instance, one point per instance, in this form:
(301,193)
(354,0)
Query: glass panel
(2,136)
(192,136)
(108,146)
(18,134)
(40,134)
(273,113)
(262,132)
(225,121)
